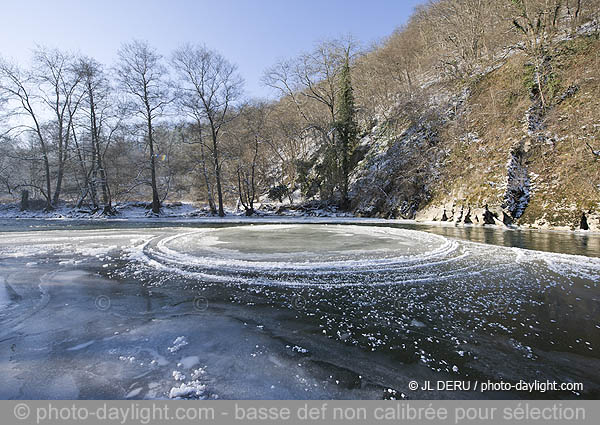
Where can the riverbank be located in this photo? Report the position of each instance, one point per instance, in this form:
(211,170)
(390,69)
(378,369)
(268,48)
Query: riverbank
(138,211)
(142,210)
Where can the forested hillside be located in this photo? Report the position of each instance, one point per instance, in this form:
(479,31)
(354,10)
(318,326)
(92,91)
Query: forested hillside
(512,124)
(471,103)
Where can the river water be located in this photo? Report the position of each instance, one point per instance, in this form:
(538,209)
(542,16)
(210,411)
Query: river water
(320,309)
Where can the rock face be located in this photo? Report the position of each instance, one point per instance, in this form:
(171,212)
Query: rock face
(583,223)
(488,217)
(386,179)
(514,153)
(570,92)
(460,217)
(468,217)
(518,184)
(506,219)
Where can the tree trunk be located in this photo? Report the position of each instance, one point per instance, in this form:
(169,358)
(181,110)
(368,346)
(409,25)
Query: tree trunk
(106,201)
(209,191)
(217,166)
(24,200)
(48,194)
(155,198)
(252,194)
(88,176)
(61,164)
(59,178)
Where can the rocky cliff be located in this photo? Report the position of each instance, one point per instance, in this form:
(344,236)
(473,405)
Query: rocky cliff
(490,141)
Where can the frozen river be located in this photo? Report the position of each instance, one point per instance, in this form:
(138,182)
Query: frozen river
(288,310)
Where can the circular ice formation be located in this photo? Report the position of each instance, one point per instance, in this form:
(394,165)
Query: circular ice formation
(307,254)
(296,245)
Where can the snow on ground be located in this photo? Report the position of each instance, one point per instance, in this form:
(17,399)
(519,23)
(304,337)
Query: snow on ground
(137,210)
(266,213)
(124,210)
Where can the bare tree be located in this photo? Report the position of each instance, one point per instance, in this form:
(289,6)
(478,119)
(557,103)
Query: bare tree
(538,21)
(312,78)
(200,148)
(141,75)
(286,148)
(102,122)
(251,137)
(58,81)
(311,83)
(20,88)
(208,87)
(595,152)
(460,31)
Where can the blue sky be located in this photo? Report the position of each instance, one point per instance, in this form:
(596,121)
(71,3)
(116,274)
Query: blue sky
(252,34)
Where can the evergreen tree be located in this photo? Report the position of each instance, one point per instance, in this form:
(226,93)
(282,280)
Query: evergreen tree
(347,129)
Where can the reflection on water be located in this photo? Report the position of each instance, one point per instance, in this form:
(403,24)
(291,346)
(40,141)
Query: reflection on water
(575,243)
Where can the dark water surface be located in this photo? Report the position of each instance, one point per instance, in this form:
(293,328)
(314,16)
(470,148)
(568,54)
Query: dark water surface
(94,309)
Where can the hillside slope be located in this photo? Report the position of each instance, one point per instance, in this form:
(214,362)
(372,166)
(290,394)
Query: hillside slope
(491,143)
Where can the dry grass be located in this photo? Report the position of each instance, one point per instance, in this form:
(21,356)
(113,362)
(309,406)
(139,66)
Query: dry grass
(569,174)
(566,176)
